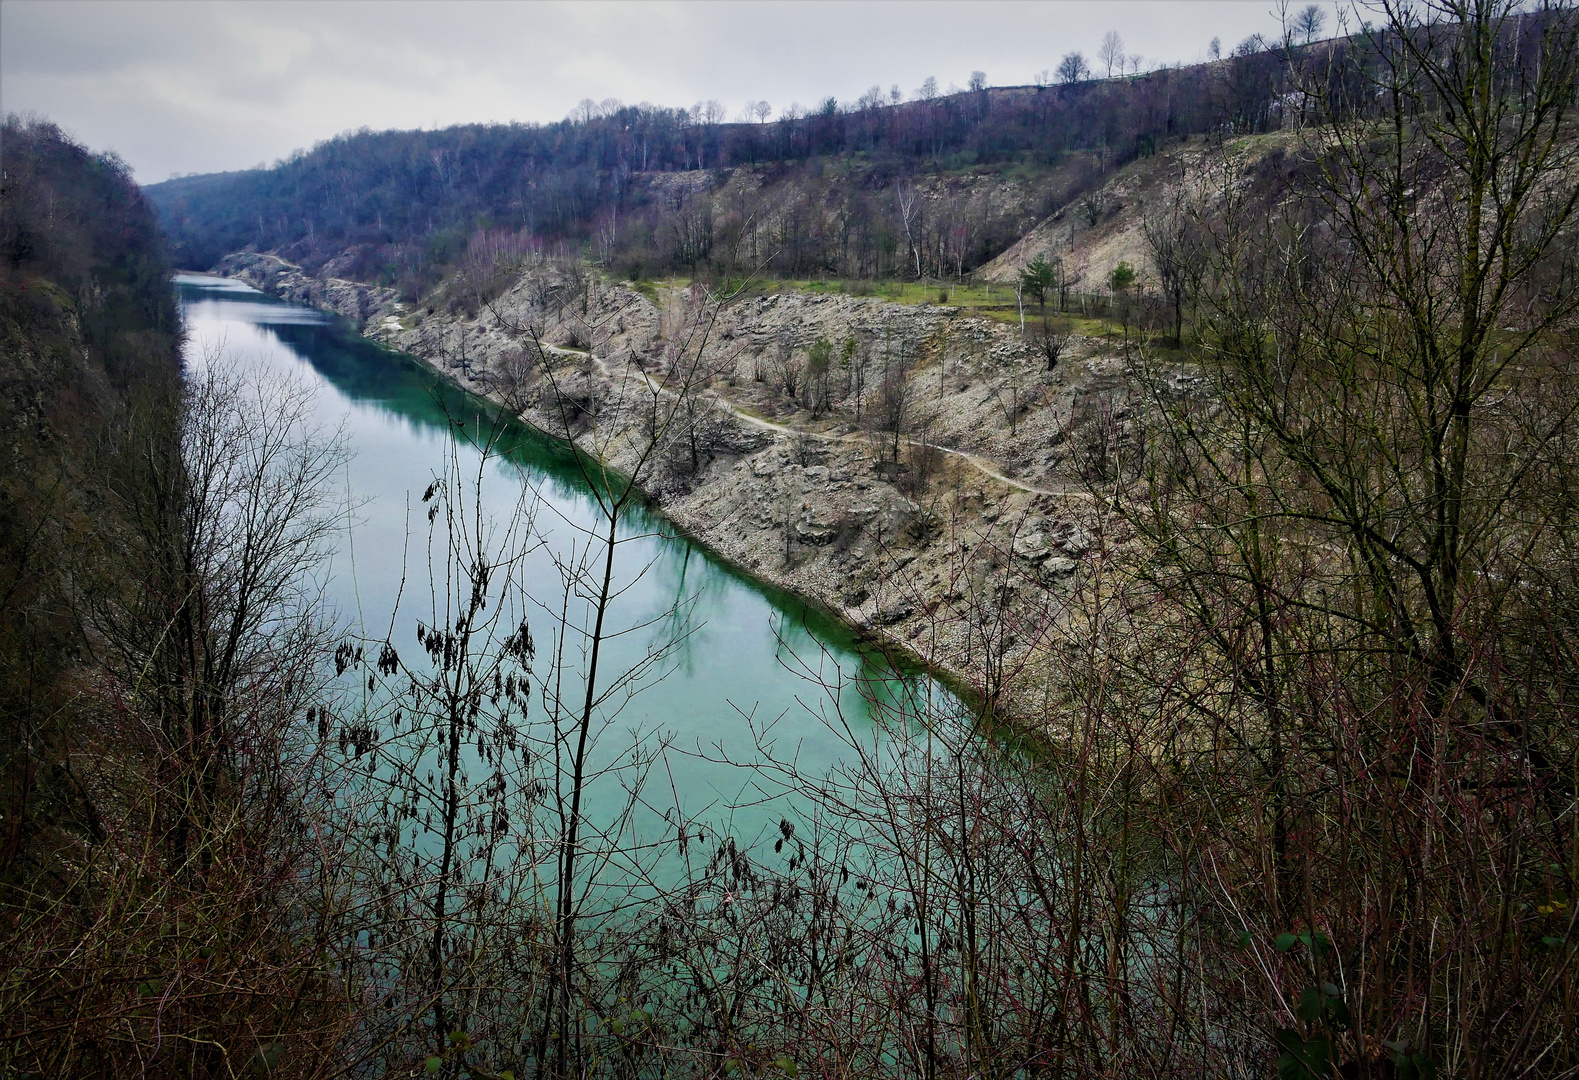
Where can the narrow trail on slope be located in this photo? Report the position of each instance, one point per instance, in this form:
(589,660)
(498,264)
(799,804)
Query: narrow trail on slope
(985,466)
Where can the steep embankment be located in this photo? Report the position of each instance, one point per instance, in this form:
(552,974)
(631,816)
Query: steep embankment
(1106,224)
(89,339)
(916,480)
(138,844)
(353,300)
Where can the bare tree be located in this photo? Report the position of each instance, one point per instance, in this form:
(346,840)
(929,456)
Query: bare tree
(908,202)
(856,355)
(1072,68)
(789,372)
(1335,524)
(1055,340)
(891,412)
(1308,23)
(1177,253)
(635,422)
(232,520)
(1010,400)
(1111,52)
(1094,206)
(447,750)
(201,821)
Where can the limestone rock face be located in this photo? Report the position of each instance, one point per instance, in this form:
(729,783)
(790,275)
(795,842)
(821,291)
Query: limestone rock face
(816,529)
(1032,547)
(821,503)
(362,303)
(1076,542)
(894,613)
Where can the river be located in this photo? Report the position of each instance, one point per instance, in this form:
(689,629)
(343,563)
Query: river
(745,665)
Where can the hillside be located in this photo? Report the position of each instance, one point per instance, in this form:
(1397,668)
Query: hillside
(890,461)
(1106,225)
(928,188)
(87,328)
(135,849)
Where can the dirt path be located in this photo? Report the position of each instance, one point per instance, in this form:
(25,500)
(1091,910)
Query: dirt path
(985,466)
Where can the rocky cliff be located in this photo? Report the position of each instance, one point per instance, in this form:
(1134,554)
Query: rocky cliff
(905,468)
(355,300)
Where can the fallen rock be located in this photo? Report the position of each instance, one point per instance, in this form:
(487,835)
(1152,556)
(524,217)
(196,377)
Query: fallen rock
(816,530)
(894,613)
(1031,547)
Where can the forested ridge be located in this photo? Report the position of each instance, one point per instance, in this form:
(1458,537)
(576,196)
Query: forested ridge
(143,885)
(89,326)
(830,193)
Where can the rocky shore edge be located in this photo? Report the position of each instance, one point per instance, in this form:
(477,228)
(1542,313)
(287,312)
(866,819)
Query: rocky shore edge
(965,579)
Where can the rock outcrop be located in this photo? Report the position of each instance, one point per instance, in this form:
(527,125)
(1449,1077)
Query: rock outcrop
(911,538)
(354,300)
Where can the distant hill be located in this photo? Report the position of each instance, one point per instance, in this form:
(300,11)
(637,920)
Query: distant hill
(928,188)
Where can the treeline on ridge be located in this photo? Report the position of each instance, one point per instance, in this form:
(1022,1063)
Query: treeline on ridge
(801,196)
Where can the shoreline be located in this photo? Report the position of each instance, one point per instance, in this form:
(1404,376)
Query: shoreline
(851,551)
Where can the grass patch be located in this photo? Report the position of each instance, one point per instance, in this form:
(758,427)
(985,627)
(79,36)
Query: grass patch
(966,295)
(981,299)
(993,301)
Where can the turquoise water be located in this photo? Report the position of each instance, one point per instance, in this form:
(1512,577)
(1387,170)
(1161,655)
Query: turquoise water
(743,665)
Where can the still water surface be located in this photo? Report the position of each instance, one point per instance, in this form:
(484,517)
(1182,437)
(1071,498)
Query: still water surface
(743,650)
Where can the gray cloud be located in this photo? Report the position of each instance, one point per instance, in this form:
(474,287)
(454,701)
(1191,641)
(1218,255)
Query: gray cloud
(183,86)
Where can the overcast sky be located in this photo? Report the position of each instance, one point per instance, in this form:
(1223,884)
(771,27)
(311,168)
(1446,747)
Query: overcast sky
(192,86)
